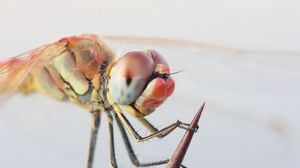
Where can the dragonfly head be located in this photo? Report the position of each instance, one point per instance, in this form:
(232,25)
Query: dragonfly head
(140,81)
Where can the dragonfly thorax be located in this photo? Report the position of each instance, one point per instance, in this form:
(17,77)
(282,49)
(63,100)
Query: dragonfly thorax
(76,73)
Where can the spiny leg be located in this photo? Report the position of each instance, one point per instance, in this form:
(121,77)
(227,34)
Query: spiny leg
(138,137)
(93,138)
(149,126)
(113,160)
(130,150)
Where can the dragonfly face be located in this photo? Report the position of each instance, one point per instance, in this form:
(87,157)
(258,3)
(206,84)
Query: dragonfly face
(140,81)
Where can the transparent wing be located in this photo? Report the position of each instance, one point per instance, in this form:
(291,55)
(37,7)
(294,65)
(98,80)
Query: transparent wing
(14,70)
(187,45)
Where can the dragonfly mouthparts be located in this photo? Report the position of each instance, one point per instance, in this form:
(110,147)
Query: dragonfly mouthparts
(156,74)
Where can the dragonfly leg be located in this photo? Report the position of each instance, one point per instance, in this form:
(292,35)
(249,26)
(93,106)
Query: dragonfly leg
(131,152)
(153,129)
(93,138)
(113,160)
(149,126)
(138,137)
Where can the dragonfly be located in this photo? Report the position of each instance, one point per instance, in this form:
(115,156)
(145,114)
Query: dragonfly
(84,70)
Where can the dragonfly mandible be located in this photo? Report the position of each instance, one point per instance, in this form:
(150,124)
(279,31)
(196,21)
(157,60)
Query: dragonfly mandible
(84,70)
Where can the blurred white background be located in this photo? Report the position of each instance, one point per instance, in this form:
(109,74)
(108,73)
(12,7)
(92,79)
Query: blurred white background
(252,91)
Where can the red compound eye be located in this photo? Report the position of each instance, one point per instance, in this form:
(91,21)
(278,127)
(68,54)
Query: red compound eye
(130,76)
(157,57)
(158,89)
(136,64)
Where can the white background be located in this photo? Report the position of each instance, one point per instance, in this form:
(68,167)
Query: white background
(252,91)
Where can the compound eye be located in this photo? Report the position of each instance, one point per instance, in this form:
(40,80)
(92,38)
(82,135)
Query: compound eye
(129,77)
(157,57)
